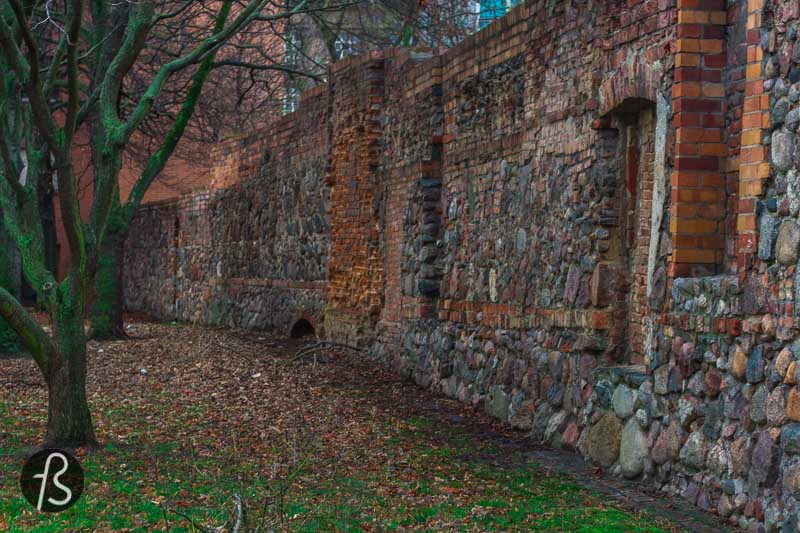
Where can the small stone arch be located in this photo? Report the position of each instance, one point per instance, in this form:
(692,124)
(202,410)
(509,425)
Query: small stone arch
(302,327)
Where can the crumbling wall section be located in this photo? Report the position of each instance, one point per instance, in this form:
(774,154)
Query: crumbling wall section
(528,246)
(355,272)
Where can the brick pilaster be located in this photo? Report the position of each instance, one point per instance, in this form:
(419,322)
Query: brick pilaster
(697,207)
(754,164)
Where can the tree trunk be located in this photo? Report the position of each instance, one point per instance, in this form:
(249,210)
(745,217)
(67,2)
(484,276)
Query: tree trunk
(69,423)
(47,212)
(107,305)
(10,278)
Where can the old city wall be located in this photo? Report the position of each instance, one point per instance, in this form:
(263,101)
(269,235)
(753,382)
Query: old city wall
(253,250)
(582,220)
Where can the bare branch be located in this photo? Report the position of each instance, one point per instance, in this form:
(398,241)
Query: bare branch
(31,333)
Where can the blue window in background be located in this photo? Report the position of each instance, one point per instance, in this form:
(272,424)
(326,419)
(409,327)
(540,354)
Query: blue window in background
(493,9)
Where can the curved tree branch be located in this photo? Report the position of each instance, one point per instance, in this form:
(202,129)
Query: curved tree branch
(32,334)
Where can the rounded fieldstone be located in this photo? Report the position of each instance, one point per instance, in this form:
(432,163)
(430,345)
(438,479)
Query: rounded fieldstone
(633,449)
(782,150)
(523,417)
(555,427)
(765,461)
(604,440)
(758,405)
(689,409)
(500,403)
(713,382)
(740,456)
(786,247)
(782,362)
(696,384)
(623,401)
(793,119)
(739,364)
(719,461)
(772,69)
(776,406)
(666,380)
(643,418)
(669,443)
(791,374)
(693,452)
(780,113)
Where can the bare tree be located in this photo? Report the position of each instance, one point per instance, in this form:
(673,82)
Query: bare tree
(65,66)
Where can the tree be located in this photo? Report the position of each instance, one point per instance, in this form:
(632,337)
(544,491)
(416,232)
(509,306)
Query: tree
(9,280)
(64,67)
(325,36)
(241,82)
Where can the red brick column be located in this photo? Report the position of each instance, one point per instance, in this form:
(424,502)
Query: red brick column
(697,207)
(753,164)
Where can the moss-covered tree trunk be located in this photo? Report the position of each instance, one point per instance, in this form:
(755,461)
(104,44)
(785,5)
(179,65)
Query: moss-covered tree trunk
(69,422)
(107,306)
(10,281)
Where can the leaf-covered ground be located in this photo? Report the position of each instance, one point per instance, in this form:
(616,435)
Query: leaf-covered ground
(189,418)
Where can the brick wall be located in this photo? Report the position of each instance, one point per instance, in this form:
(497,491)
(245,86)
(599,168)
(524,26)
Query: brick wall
(698,182)
(355,270)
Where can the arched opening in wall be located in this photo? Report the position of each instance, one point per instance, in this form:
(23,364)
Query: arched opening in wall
(629,146)
(302,328)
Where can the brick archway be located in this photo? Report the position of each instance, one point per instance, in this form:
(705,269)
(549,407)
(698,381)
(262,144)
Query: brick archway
(636,79)
(302,325)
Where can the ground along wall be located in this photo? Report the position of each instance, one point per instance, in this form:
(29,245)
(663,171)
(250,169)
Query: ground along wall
(251,252)
(582,220)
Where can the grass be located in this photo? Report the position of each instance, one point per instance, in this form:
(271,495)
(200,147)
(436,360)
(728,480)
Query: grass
(177,450)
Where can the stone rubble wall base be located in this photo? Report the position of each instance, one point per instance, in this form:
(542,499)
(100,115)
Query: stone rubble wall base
(716,423)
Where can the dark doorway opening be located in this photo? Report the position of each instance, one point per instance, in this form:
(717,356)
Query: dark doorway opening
(302,328)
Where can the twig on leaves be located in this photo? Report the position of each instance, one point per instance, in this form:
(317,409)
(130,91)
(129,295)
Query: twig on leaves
(195,526)
(308,350)
(239,513)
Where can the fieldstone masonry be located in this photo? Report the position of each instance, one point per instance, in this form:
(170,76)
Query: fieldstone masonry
(252,254)
(584,219)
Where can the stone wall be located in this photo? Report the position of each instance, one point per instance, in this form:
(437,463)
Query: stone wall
(253,254)
(582,219)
